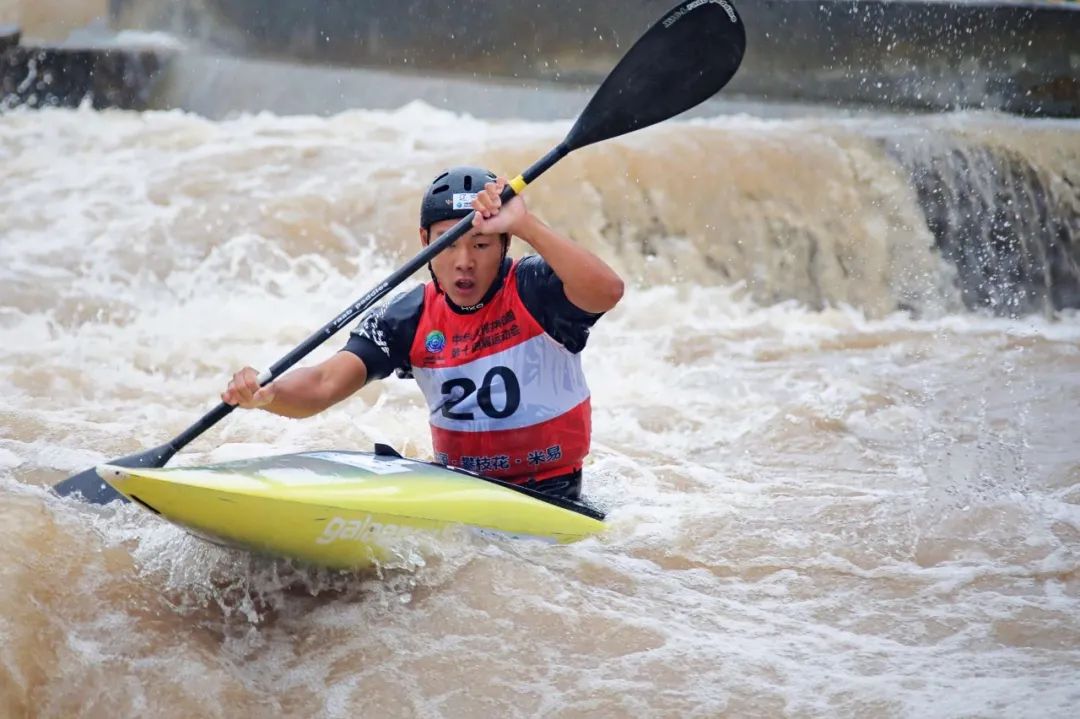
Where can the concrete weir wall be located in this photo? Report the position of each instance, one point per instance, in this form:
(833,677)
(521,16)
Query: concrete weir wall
(55,76)
(37,74)
(9,37)
(1021,57)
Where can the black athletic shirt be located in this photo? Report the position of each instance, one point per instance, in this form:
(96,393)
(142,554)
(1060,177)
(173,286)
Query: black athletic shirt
(384,336)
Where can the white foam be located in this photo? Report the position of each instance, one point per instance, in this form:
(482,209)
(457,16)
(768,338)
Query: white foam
(837,511)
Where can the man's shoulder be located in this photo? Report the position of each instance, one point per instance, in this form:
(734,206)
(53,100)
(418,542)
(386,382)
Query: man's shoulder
(531,265)
(539,285)
(535,279)
(541,291)
(403,308)
(410,300)
(393,323)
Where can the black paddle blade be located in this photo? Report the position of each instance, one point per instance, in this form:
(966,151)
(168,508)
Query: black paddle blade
(95,490)
(683,60)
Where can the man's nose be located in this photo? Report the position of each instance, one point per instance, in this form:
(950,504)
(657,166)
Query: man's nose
(463,258)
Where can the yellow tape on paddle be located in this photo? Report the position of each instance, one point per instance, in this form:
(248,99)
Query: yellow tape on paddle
(518,183)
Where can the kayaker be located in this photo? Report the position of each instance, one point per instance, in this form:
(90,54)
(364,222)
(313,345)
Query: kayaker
(493,343)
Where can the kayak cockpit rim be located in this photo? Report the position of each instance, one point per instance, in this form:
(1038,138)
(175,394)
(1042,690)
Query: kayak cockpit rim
(385,450)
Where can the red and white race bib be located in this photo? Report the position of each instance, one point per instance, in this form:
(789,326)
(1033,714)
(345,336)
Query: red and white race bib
(506,400)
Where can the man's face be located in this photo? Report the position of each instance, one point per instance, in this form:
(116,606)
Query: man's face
(466,269)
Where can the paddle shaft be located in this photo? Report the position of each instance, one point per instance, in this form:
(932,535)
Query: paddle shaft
(332,327)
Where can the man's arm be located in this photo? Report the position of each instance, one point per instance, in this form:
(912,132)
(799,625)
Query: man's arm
(587,280)
(379,345)
(302,392)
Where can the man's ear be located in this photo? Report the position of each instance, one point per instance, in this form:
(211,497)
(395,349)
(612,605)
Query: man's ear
(423,237)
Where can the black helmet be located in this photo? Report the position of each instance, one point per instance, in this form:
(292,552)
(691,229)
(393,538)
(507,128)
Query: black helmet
(450,195)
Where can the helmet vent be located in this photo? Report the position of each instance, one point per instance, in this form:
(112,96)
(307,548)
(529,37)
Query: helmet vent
(440,188)
(468,183)
(440,177)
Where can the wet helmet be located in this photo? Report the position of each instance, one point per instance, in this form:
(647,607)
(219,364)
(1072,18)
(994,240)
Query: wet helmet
(450,195)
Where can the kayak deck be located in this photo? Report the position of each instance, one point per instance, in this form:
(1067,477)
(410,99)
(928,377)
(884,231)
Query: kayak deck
(344,509)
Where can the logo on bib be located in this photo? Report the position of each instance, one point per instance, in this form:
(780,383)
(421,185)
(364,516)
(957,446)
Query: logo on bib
(435,342)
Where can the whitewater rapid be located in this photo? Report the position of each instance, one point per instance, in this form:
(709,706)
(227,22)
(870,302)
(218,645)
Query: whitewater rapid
(834,489)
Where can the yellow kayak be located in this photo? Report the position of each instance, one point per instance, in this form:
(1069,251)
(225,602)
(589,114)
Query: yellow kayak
(344,509)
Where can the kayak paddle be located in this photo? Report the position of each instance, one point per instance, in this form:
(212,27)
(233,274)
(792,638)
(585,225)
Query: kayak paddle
(681,61)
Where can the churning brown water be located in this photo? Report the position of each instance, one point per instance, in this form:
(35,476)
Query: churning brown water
(834,489)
